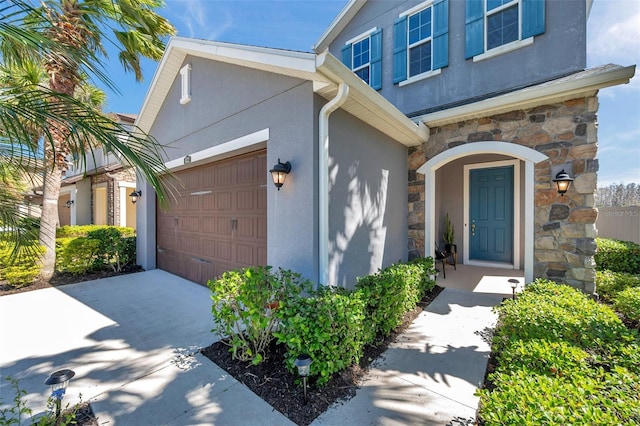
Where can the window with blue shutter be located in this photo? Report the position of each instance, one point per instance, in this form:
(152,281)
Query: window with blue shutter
(400,50)
(490,24)
(421,41)
(363,56)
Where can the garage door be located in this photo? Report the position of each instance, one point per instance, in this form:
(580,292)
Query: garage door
(219,221)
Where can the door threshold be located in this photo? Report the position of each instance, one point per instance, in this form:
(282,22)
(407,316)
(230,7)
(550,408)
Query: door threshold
(502,265)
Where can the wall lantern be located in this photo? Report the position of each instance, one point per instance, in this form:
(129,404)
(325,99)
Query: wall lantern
(303,362)
(135,195)
(279,173)
(563,181)
(69,203)
(58,380)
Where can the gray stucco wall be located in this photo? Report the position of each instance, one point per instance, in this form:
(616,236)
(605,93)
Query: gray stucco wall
(368,200)
(559,51)
(229,102)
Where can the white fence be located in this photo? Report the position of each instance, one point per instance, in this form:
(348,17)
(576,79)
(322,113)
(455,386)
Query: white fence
(620,223)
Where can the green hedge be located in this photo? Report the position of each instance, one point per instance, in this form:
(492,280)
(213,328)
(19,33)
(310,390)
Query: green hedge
(627,302)
(609,283)
(84,230)
(562,359)
(93,248)
(331,325)
(22,268)
(392,292)
(617,256)
(244,303)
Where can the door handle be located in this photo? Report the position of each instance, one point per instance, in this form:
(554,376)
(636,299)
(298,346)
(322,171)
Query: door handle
(473,228)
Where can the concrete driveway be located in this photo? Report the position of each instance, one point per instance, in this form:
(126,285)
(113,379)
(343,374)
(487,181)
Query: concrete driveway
(133,342)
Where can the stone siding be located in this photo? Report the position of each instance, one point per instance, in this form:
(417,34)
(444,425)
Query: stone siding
(565,229)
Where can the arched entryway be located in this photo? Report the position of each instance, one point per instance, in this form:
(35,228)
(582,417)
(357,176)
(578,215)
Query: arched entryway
(453,188)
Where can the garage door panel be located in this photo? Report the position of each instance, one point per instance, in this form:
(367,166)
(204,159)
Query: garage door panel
(245,255)
(189,244)
(246,199)
(246,227)
(261,228)
(219,220)
(223,201)
(209,202)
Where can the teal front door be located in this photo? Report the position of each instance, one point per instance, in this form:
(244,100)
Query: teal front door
(491,214)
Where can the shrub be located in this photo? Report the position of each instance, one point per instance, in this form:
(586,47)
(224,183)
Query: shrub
(609,283)
(329,326)
(627,302)
(618,256)
(20,268)
(244,303)
(76,255)
(562,359)
(84,230)
(392,292)
(114,249)
(95,248)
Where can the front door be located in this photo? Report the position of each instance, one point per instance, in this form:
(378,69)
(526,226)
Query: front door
(491,214)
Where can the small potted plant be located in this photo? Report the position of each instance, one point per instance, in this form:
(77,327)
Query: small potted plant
(448,235)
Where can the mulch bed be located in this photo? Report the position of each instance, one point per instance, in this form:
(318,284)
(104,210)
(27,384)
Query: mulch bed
(272,382)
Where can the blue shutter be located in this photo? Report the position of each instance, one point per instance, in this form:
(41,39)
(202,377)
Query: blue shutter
(376,59)
(440,34)
(532,18)
(474,28)
(347,57)
(400,50)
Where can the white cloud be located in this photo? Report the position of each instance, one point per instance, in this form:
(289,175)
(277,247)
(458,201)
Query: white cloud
(200,18)
(613,32)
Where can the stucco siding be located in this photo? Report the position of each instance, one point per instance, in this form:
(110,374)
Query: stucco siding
(368,200)
(230,102)
(559,51)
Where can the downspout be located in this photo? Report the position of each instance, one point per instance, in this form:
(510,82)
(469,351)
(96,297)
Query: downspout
(323,180)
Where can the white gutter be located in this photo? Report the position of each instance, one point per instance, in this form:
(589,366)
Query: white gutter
(323,177)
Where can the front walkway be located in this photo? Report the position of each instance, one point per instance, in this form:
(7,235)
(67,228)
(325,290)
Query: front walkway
(481,280)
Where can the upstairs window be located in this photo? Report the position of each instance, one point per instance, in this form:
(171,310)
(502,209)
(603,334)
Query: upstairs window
(493,27)
(421,41)
(502,22)
(361,59)
(363,55)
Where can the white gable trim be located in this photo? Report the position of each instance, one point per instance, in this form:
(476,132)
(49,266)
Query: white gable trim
(338,24)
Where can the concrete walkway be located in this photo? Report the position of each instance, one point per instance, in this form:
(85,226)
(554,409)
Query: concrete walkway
(133,342)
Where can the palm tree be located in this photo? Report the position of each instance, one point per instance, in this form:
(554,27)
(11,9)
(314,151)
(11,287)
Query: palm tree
(74,32)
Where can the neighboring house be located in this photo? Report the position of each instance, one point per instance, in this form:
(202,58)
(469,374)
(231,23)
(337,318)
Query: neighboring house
(469,108)
(98,192)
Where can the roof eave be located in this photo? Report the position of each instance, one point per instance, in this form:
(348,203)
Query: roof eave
(390,120)
(530,97)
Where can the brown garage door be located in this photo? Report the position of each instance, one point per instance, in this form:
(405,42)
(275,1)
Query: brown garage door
(219,221)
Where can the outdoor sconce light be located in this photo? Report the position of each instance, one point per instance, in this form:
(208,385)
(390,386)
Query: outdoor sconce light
(279,173)
(135,195)
(303,362)
(69,203)
(58,380)
(563,181)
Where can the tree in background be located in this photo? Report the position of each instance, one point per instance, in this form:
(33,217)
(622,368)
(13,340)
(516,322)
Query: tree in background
(618,195)
(66,37)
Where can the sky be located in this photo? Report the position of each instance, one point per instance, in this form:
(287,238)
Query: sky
(613,36)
